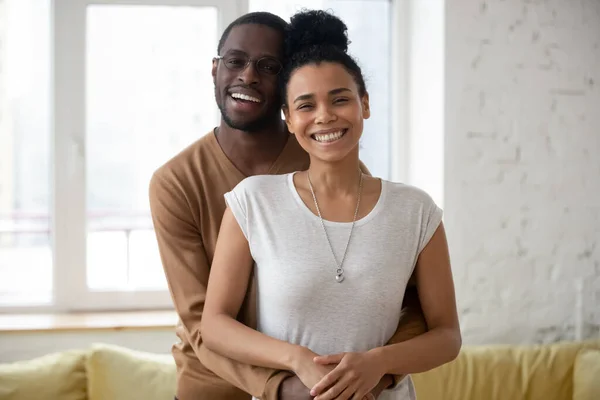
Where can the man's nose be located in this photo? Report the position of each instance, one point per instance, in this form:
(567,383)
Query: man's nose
(249,75)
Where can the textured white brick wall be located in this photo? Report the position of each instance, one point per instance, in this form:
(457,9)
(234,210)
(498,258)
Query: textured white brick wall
(522,169)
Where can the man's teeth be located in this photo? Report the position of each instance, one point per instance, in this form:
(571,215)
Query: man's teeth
(329,137)
(244,97)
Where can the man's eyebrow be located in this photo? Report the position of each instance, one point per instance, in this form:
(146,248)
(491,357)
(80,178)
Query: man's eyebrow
(235,52)
(309,96)
(243,53)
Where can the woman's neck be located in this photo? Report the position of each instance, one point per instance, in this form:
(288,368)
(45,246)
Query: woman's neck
(335,178)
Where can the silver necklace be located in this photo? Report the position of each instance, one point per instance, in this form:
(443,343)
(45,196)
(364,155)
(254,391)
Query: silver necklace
(339,272)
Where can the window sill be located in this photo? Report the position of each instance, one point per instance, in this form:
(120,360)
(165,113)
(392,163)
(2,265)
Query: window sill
(90,321)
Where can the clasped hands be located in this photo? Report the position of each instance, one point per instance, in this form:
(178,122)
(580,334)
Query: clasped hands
(344,376)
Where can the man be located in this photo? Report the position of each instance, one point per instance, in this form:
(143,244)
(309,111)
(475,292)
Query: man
(186,198)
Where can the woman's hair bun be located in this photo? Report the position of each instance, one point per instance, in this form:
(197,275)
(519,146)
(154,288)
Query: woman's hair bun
(315,28)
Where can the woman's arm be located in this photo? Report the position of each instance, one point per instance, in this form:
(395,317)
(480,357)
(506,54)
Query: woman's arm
(223,334)
(227,285)
(358,372)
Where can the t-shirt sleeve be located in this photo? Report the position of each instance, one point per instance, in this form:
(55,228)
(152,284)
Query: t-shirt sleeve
(236,201)
(431,219)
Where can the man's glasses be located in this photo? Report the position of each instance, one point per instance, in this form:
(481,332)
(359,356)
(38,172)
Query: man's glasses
(239,62)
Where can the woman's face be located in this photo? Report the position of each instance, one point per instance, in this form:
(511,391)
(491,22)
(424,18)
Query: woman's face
(325,110)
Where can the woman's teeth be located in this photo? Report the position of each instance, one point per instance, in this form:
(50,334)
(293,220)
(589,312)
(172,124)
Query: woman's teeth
(329,137)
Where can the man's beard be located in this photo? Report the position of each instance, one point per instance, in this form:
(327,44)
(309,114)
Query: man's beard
(262,122)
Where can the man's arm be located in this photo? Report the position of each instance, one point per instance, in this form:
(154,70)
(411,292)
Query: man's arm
(186,268)
(266,387)
(412,323)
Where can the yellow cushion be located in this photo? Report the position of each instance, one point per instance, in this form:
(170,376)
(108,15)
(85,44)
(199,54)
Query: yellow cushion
(116,373)
(586,377)
(543,372)
(57,376)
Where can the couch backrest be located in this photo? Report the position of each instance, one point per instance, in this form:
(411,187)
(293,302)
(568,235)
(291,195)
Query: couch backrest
(57,376)
(543,372)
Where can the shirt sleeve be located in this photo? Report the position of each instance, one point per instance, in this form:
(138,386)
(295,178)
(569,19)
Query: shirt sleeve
(430,220)
(236,201)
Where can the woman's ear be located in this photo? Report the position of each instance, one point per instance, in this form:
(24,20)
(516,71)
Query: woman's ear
(366,110)
(286,114)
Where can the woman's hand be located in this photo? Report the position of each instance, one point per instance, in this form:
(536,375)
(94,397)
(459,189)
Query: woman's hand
(354,376)
(309,372)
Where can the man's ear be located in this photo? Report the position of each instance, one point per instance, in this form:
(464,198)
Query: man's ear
(215,63)
(286,113)
(365,106)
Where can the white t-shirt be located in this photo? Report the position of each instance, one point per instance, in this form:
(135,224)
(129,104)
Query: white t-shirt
(298,298)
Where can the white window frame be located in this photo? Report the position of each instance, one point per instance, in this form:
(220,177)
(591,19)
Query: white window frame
(68,175)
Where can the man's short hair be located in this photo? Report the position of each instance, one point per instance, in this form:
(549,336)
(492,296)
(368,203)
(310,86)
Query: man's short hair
(259,18)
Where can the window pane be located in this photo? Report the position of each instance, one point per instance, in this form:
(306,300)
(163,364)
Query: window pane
(25,250)
(149,94)
(369,29)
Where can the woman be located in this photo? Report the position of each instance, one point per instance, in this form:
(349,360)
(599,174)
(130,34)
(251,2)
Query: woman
(333,248)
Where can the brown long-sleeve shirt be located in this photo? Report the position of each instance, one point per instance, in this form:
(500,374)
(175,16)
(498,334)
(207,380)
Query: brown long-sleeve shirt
(187,203)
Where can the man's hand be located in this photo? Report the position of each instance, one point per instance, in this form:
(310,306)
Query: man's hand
(383,384)
(292,388)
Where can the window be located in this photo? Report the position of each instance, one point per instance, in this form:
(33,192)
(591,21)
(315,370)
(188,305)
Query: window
(91,107)
(131,87)
(369,29)
(25,241)
(148,96)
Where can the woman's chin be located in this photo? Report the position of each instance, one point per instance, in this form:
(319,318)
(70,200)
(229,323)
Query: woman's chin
(331,156)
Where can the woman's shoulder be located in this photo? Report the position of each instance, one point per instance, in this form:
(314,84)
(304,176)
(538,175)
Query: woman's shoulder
(258,181)
(261,187)
(398,191)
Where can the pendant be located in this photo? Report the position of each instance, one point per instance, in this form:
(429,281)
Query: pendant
(339,277)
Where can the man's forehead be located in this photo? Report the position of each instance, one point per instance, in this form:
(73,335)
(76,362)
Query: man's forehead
(254,40)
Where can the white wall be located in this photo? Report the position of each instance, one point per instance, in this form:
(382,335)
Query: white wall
(23,346)
(522,169)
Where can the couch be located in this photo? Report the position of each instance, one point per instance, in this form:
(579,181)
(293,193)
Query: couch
(561,371)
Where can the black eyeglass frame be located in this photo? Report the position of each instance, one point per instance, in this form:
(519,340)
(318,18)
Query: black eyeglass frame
(248,61)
